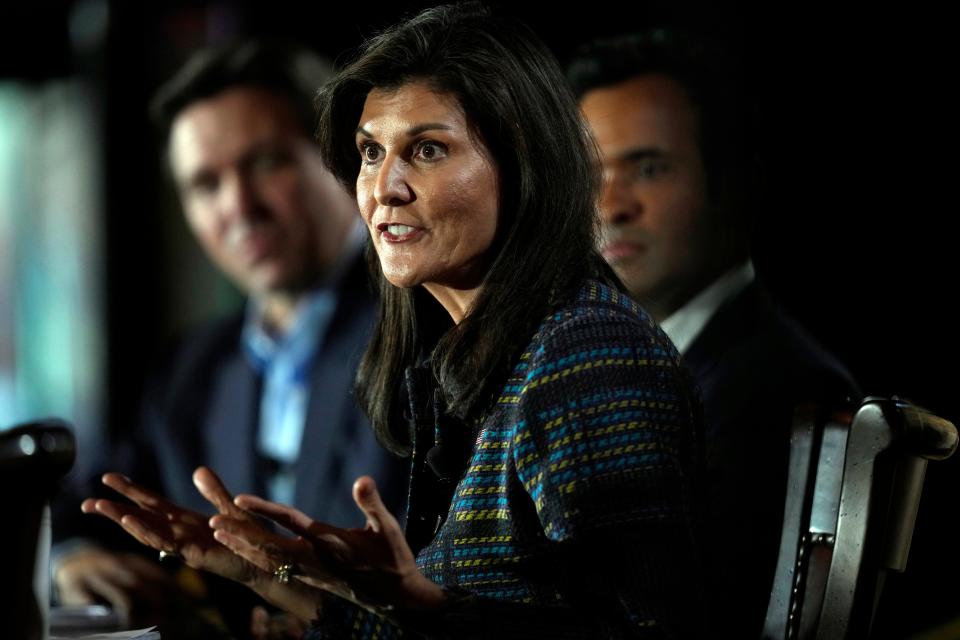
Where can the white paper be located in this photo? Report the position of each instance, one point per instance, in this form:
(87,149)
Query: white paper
(150,633)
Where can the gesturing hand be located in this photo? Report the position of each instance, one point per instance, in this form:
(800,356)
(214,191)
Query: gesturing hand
(158,523)
(373,567)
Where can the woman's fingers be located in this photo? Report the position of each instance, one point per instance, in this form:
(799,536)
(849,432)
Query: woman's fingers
(164,526)
(108,508)
(116,511)
(211,487)
(325,538)
(268,558)
(239,546)
(152,532)
(152,529)
(143,497)
(253,533)
(287,517)
(263,548)
(148,535)
(140,524)
(380,521)
(367,497)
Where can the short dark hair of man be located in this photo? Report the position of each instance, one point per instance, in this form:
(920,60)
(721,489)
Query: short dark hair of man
(713,80)
(279,67)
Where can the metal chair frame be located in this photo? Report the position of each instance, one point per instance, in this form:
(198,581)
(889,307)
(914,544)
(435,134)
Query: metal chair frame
(854,489)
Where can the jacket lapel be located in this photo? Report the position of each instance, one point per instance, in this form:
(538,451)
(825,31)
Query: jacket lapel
(323,488)
(735,321)
(229,442)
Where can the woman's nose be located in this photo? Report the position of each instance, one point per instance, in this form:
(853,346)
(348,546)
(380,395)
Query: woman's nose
(392,188)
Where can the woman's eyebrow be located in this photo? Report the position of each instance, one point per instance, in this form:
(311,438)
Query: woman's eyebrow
(412,131)
(427,126)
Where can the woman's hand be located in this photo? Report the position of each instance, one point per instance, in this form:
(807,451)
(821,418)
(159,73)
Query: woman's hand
(158,523)
(372,567)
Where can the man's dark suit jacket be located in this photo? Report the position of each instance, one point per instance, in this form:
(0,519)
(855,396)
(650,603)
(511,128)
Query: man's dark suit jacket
(754,365)
(204,410)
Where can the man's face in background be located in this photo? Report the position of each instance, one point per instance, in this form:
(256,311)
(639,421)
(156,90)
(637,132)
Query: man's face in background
(255,192)
(657,227)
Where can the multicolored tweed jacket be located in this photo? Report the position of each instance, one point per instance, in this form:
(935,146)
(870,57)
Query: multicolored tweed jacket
(566,511)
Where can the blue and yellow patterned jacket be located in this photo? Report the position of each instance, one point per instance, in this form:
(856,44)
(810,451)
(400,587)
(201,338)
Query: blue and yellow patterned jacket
(567,511)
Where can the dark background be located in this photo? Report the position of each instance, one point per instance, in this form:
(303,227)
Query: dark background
(854,236)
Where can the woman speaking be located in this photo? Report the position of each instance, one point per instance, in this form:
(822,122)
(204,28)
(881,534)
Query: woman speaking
(550,427)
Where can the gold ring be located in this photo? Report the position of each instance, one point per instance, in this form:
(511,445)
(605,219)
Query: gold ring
(283,573)
(169,555)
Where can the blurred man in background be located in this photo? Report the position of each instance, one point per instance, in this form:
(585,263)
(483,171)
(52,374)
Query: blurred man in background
(670,124)
(263,396)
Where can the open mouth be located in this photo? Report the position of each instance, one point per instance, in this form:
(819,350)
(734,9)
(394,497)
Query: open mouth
(394,232)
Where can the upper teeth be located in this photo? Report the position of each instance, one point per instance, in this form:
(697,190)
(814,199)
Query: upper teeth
(398,229)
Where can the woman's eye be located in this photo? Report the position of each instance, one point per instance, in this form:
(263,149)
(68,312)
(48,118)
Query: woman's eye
(370,152)
(429,150)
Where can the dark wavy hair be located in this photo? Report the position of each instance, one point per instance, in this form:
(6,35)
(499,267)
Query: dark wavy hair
(516,101)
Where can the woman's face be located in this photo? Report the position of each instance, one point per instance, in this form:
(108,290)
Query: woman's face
(427,190)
